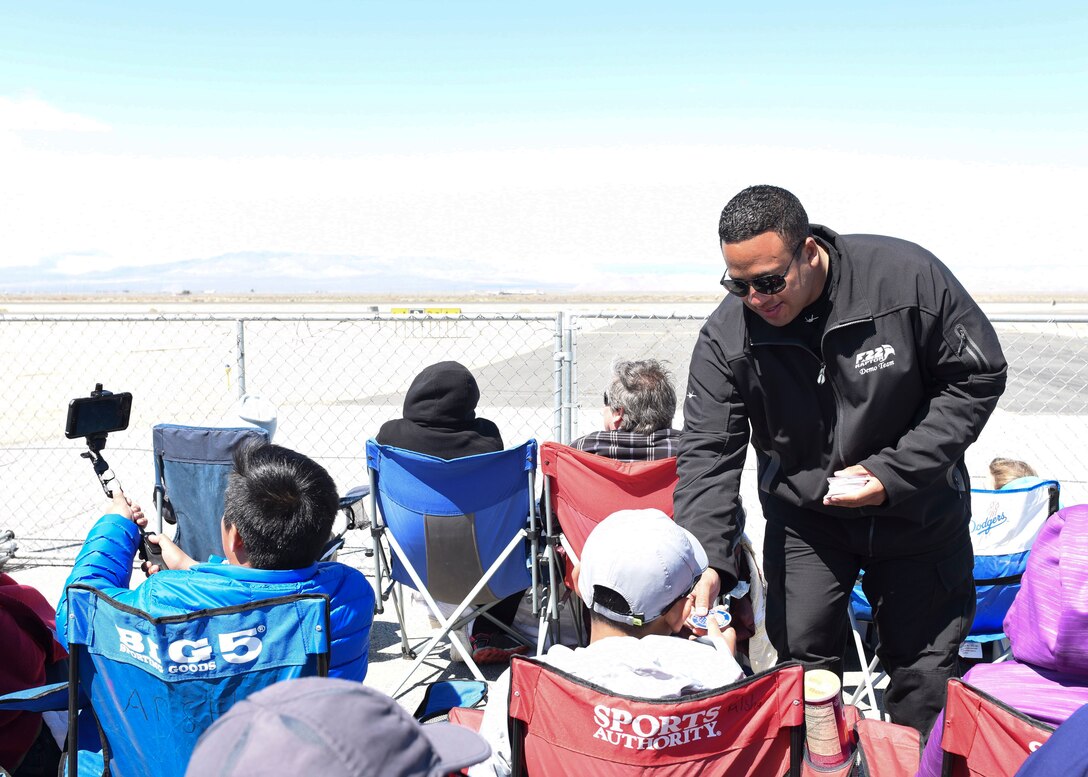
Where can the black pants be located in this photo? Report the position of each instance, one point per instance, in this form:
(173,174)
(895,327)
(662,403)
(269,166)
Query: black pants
(504,610)
(923,602)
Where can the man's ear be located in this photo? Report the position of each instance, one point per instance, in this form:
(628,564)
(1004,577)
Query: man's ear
(574,575)
(615,419)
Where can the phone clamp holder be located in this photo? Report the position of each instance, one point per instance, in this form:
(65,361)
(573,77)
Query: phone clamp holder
(95,444)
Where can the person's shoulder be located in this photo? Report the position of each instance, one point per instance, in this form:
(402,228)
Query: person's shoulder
(489,430)
(340,580)
(588,441)
(882,248)
(725,328)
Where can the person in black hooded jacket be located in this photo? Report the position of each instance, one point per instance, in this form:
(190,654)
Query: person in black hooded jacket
(440,420)
(841,355)
(440,416)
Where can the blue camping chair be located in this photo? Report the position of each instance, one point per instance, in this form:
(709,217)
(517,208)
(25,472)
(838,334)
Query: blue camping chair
(1004,525)
(192,466)
(153,685)
(462,531)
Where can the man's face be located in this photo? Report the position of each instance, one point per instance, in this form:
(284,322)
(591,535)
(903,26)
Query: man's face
(767,254)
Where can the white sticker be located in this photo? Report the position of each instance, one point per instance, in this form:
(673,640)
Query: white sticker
(971,650)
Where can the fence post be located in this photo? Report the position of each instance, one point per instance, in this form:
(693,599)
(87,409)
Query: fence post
(566,438)
(240,353)
(557,369)
(574,402)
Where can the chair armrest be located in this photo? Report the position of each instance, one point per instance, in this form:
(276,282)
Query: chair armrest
(44,698)
(888,749)
(466,717)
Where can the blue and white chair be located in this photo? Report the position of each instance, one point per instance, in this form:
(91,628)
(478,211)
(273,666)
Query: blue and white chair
(462,531)
(1004,525)
(151,686)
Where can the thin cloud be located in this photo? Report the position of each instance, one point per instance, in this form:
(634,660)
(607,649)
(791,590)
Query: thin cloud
(22,114)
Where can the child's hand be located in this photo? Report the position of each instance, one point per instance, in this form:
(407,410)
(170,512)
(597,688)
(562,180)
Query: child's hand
(126,508)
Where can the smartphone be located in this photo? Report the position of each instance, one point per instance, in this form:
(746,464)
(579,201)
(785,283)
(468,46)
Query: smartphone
(98,415)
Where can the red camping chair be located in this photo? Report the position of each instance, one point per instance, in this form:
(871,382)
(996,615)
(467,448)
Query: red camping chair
(982,737)
(581,490)
(561,725)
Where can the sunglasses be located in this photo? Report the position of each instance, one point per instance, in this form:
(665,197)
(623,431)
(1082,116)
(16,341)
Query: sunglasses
(766,285)
(607,401)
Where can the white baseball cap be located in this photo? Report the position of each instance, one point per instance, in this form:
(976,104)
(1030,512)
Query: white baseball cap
(644,557)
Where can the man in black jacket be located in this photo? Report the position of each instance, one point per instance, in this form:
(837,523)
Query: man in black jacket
(854,355)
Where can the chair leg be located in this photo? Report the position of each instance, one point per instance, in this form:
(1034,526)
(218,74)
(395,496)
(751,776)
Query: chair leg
(867,684)
(397,592)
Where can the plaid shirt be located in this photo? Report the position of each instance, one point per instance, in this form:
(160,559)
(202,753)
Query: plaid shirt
(631,446)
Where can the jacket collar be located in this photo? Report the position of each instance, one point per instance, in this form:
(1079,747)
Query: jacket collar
(849,302)
(217,566)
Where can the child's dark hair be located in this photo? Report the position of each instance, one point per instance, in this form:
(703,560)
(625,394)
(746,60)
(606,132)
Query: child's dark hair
(283,505)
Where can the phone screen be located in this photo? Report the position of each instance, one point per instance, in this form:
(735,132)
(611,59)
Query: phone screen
(97,415)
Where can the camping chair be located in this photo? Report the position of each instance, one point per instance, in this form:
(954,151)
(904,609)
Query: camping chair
(581,490)
(457,531)
(192,466)
(982,736)
(562,725)
(155,684)
(1004,525)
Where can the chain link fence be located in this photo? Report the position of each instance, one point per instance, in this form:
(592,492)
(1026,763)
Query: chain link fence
(336,379)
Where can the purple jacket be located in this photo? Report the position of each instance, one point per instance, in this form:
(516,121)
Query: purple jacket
(1047,626)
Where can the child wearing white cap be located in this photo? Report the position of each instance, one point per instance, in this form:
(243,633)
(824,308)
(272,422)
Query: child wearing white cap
(636,575)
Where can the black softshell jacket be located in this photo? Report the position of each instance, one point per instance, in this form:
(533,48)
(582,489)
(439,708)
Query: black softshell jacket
(909,371)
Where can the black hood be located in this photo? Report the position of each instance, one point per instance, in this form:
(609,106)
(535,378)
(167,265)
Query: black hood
(440,416)
(443,396)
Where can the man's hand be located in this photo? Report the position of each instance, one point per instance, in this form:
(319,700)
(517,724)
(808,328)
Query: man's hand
(173,556)
(727,638)
(869,495)
(706,591)
(126,508)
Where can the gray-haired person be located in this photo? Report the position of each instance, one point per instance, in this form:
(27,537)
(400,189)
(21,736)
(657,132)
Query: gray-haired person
(639,405)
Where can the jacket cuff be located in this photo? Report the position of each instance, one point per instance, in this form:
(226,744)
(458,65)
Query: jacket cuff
(894,488)
(728,575)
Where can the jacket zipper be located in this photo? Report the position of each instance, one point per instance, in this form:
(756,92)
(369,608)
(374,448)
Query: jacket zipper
(834,392)
(821,376)
(968,346)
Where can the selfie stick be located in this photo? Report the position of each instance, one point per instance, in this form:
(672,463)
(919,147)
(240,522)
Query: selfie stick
(95,444)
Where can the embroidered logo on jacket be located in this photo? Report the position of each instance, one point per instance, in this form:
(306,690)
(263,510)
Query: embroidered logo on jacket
(878,358)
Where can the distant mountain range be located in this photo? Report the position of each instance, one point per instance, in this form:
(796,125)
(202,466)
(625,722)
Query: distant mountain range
(268,273)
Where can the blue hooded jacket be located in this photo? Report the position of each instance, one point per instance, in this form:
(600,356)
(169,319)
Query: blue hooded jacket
(105,562)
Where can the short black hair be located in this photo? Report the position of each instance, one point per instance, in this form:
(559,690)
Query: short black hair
(283,505)
(760,209)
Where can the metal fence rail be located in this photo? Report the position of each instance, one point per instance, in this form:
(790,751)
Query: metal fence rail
(336,379)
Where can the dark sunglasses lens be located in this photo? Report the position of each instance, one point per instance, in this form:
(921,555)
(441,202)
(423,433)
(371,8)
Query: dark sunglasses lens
(606,398)
(739,288)
(768,284)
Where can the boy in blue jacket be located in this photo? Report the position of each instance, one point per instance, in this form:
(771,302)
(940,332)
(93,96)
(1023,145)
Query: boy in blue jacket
(278,515)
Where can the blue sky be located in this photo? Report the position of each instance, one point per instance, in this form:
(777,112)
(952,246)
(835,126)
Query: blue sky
(596,139)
